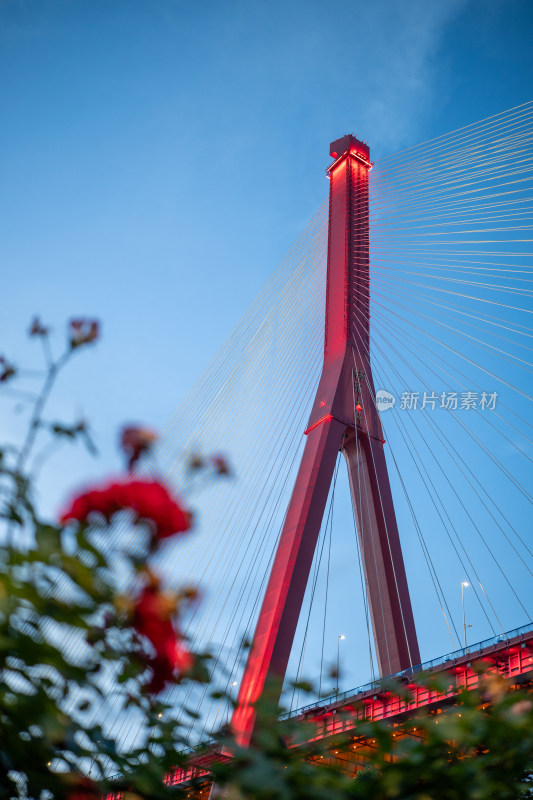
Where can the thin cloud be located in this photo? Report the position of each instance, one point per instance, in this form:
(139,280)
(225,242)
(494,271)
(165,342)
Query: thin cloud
(406,78)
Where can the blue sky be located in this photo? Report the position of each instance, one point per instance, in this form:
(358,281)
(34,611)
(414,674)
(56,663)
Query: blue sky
(159,158)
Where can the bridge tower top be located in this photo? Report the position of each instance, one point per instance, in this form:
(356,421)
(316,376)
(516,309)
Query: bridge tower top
(349,143)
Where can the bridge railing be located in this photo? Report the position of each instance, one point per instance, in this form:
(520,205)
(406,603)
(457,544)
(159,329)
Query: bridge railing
(178,775)
(427,665)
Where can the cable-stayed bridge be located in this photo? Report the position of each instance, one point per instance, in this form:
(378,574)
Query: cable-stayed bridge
(420,266)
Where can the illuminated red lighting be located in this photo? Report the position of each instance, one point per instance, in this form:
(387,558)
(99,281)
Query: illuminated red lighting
(317,423)
(360,157)
(358,408)
(280,610)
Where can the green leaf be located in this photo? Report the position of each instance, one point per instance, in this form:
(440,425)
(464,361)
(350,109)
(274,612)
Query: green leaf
(48,539)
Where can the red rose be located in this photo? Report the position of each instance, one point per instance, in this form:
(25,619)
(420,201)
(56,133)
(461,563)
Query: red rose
(152,618)
(152,501)
(148,500)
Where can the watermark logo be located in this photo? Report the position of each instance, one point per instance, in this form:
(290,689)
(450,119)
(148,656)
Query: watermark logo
(449,401)
(384,400)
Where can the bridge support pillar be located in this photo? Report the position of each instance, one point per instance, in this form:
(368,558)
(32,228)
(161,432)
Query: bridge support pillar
(381,554)
(344,417)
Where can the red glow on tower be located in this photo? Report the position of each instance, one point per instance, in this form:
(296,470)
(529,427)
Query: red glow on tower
(346,374)
(317,423)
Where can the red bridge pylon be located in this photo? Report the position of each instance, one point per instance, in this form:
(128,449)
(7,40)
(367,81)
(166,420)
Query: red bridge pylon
(344,418)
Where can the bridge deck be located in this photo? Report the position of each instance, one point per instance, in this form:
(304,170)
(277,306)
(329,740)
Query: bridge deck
(509,656)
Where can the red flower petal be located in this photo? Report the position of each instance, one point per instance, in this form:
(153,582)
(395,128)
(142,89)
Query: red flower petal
(153,619)
(149,500)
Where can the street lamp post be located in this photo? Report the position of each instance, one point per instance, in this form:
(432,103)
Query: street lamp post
(342,636)
(464,584)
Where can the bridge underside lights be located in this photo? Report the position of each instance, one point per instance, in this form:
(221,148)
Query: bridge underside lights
(334,721)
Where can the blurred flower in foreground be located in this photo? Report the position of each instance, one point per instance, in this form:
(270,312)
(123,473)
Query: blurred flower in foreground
(195,462)
(7,370)
(135,441)
(221,465)
(37,328)
(83,331)
(152,618)
(521,708)
(81,788)
(148,500)
(495,687)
